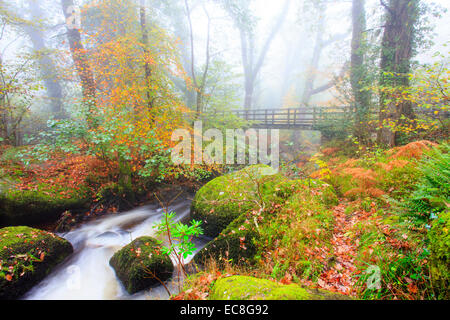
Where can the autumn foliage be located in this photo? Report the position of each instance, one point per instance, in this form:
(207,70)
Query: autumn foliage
(412,150)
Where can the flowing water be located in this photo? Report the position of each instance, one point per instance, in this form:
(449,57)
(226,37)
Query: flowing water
(86,274)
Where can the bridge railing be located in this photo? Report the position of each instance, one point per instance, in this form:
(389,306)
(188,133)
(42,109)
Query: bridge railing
(308,117)
(294,116)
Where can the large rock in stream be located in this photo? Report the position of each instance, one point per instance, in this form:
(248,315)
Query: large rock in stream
(141,264)
(35,207)
(27,255)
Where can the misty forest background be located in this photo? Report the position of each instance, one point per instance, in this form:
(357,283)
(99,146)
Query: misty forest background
(87,115)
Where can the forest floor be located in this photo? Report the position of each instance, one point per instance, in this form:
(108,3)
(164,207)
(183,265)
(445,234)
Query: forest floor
(369,243)
(314,241)
(339,277)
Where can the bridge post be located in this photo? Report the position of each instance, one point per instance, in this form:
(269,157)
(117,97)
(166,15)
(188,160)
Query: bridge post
(289,117)
(314,116)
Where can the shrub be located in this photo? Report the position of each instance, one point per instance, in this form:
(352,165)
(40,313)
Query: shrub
(432,193)
(439,237)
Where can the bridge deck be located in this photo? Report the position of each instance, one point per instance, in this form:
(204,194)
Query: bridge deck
(290,118)
(305,118)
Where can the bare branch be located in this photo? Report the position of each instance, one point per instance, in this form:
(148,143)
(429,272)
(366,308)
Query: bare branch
(332,82)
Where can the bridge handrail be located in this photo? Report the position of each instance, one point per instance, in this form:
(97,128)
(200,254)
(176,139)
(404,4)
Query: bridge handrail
(303,116)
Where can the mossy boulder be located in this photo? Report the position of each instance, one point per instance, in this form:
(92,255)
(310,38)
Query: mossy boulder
(250,288)
(141,264)
(34,207)
(325,192)
(225,198)
(439,236)
(236,244)
(27,255)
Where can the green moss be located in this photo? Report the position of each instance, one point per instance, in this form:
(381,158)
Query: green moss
(225,198)
(301,222)
(326,192)
(242,241)
(120,194)
(439,236)
(289,292)
(141,264)
(236,244)
(33,207)
(27,255)
(250,288)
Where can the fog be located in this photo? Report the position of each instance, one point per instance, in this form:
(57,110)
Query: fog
(288,61)
(289,56)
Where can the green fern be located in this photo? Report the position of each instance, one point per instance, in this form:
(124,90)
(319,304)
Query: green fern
(432,193)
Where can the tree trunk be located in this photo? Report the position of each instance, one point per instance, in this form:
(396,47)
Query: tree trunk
(314,64)
(147,68)
(3,110)
(81,61)
(249,88)
(358,71)
(199,85)
(252,67)
(47,67)
(320,44)
(294,50)
(397,49)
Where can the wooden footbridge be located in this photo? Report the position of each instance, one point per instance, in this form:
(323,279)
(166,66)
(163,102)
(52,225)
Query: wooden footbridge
(306,118)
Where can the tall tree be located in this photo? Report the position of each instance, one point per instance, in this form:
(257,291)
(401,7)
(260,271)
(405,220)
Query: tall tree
(174,13)
(46,64)
(291,66)
(397,49)
(80,58)
(320,45)
(199,84)
(358,70)
(18,85)
(252,62)
(147,67)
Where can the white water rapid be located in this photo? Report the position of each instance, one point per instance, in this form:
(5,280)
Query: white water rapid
(86,274)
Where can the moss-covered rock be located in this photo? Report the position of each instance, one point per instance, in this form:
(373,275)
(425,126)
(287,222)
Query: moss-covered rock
(439,236)
(141,264)
(324,191)
(27,255)
(225,198)
(34,207)
(236,244)
(250,288)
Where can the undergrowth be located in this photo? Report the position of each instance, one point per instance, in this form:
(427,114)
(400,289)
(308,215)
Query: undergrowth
(392,199)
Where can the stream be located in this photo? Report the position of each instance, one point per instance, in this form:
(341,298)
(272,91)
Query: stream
(87,275)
